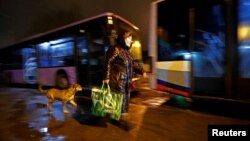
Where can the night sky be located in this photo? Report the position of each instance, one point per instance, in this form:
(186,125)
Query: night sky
(23,18)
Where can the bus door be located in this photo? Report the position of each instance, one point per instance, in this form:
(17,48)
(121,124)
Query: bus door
(96,61)
(91,55)
(82,52)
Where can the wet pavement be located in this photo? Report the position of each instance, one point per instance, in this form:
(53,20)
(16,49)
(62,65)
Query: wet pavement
(24,117)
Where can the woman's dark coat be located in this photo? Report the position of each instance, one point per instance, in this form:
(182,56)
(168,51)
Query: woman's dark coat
(119,69)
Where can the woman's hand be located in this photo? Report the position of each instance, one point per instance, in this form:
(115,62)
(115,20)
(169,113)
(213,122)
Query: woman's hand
(106,81)
(144,74)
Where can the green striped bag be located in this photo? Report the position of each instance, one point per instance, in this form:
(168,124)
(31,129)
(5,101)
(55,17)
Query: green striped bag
(104,102)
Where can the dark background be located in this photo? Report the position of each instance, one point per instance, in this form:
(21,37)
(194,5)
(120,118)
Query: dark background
(23,18)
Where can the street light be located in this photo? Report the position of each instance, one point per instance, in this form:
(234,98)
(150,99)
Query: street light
(136,50)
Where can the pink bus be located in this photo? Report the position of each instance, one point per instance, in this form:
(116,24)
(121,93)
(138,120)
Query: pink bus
(66,55)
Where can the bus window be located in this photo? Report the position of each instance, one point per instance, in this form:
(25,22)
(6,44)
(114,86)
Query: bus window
(208,56)
(56,53)
(244,38)
(243,67)
(82,51)
(29,65)
(15,59)
(43,49)
(62,54)
(173,31)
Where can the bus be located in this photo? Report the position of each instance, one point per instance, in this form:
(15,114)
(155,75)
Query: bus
(70,54)
(201,48)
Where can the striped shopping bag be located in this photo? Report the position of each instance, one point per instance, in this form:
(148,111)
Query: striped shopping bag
(104,102)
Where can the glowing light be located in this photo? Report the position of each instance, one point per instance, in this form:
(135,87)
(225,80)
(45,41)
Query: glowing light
(245,47)
(136,44)
(110,20)
(81,30)
(243,32)
(187,56)
(136,50)
(57,41)
(44,46)
(43,130)
(84,50)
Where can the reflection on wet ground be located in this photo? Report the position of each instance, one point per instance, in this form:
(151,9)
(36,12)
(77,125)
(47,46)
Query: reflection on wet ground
(25,117)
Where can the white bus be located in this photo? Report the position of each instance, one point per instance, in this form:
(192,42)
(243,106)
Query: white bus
(201,48)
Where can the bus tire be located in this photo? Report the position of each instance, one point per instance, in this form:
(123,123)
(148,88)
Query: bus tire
(61,79)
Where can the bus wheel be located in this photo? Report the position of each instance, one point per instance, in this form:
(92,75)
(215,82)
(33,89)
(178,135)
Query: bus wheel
(61,79)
